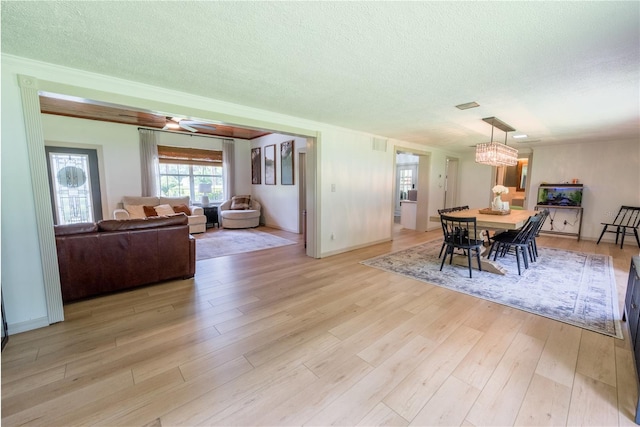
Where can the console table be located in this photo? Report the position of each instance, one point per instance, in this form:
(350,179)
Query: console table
(211,212)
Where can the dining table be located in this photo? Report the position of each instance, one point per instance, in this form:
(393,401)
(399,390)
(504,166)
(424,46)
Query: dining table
(513,220)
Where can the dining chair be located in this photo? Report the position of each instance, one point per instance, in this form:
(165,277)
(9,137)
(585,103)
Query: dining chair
(447,210)
(543,214)
(520,243)
(626,222)
(460,233)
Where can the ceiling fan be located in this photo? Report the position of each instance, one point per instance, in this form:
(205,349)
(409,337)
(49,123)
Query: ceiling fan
(178,123)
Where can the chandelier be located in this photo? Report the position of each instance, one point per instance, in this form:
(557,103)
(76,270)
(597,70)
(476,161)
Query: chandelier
(493,153)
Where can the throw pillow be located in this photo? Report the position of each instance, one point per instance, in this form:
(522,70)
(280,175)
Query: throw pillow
(149,211)
(164,210)
(240,203)
(135,211)
(182,208)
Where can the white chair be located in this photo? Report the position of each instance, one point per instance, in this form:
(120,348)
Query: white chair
(239,215)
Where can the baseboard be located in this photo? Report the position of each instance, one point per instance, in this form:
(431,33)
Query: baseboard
(16,328)
(277,227)
(353,248)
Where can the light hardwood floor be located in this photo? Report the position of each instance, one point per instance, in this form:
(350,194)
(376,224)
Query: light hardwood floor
(277,338)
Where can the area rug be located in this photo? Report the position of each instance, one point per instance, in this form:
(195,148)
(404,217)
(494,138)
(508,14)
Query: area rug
(572,287)
(228,242)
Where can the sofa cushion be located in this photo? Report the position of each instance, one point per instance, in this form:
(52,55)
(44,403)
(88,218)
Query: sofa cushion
(149,211)
(136,224)
(164,210)
(80,228)
(139,200)
(135,211)
(182,209)
(240,203)
(240,214)
(174,201)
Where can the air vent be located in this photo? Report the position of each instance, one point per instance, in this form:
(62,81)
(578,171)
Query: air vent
(468,105)
(379,144)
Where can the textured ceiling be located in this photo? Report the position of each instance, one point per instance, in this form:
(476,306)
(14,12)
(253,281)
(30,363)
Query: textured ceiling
(557,71)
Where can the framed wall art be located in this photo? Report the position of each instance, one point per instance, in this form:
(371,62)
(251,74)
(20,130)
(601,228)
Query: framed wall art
(256,169)
(270,164)
(286,162)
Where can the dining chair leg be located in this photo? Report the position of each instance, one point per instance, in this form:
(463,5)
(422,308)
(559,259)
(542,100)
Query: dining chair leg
(442,248)
(469,261)
(524,257)
(444,258)
(478,258)
(518,261)
(624,231)
(635,231)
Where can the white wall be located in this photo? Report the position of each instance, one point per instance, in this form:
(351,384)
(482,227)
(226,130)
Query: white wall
(280,203)
(609,171)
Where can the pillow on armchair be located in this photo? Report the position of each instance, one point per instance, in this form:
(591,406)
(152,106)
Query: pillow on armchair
(240,203)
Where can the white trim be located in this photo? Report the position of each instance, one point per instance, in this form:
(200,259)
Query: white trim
(17,328)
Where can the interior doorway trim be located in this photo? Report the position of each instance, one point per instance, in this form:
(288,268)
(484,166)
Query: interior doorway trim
(42,198)
(29,91)
(424,174)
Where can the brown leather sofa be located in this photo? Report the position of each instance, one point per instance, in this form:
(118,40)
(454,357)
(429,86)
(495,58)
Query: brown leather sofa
(112,255)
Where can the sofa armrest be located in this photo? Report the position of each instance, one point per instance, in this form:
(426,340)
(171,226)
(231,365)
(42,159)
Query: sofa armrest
(196,210)
(120,214)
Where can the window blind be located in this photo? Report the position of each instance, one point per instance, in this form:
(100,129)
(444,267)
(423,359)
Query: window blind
(192,156)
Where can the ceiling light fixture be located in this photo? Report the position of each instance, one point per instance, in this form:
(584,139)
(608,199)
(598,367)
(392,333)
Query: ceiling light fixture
(493,153)
(520,136)
(467,105)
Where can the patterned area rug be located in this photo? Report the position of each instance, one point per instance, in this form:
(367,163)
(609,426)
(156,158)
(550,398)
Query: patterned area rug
(571,287)
(228,242)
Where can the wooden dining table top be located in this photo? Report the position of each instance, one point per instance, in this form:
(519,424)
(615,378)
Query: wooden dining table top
(512,221)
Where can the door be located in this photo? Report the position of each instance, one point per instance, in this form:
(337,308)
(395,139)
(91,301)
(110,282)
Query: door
(74,185)
(451,183)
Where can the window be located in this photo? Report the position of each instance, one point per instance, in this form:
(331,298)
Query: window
(182,170)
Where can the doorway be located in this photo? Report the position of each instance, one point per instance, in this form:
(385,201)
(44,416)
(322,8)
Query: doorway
(74,185)
(412,172)
(302,196)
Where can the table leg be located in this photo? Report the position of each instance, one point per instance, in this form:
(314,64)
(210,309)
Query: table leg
(487,264)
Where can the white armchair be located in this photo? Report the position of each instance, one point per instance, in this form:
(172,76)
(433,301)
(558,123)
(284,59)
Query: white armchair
(133,207)
(244,213)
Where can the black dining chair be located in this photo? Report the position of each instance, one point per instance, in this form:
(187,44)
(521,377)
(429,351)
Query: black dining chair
(626,222)
(460,233)
(520,243)
(543,214)
(447,210)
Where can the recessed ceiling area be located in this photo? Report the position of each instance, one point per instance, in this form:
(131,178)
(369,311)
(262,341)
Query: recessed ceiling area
(93,110)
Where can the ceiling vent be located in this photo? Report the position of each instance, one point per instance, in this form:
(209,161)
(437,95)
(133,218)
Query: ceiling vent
(468,105)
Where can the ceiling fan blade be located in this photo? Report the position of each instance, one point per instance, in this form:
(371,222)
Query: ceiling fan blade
(200,125)
(187,127)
